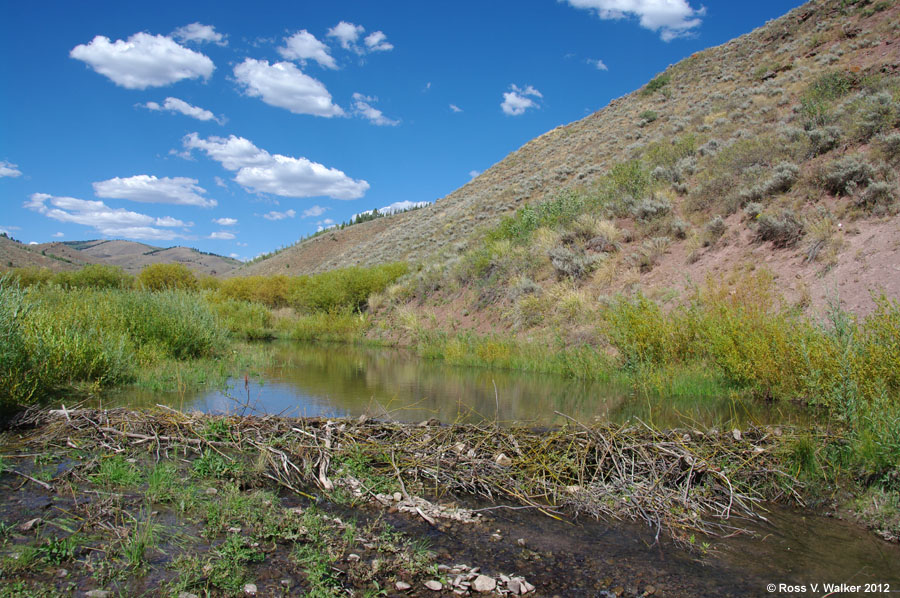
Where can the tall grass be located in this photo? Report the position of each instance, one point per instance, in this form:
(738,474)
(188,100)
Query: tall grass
(55,339)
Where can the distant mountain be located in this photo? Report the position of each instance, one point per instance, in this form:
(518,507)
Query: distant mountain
(129,255)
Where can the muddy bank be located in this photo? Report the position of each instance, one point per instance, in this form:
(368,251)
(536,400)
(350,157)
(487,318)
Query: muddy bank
(162,503)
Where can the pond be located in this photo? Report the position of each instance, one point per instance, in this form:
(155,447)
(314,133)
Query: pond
(339,381)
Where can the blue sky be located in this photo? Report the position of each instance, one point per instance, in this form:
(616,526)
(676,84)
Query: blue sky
(238,129)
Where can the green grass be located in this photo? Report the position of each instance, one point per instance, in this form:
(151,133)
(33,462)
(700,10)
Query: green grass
(116,472)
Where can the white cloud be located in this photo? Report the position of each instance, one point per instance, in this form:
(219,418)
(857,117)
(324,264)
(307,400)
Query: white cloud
(399,206)
(347,33)
(107,221)
(234,255)
(313,212)
(176,105)
(195,32)
(363,108)
(474,173)
(58,235)
(273,215)
(225,221)
(672,18)
(220,181)
(150,189)
(143,61)
(516,101)
(283,85)
(222,235)
(601,66)
(262,172)
(8,169)
(377,42)
(325,224)
(455,108)
(304,46)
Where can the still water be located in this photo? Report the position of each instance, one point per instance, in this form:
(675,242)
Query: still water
(338,380)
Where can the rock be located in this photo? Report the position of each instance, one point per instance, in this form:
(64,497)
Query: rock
(573,489)
(98,594)
(29,524)
(434,585)
(353,558)
(211,491)
(397,497)
(484,584)
(526,587)
(514,586)
(736,434)
(250,589)
(402,586)
(521,542)
(62,573)
(502,460)
(187,595)
(234,530)
(649,590)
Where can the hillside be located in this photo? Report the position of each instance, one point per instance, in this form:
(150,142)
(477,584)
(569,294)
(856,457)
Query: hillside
(708,132)
(129,255)
(17,255)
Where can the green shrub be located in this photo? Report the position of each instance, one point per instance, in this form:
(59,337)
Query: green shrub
(342,326)
(243,319)
(345,288)
(783,231)
(95,276)
(817,100)
(656,84)
(845,176)
(167,277)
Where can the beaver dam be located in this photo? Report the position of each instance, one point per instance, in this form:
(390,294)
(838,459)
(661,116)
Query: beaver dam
(162,503)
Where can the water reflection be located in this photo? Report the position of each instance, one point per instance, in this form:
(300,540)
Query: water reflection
(334,381)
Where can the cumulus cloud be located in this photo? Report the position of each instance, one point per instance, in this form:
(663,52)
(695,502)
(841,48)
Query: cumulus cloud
(284,85)
(150,189)
(273,215)
(455,108)
(400,206)
(347,34)
(304,46)
(176,105)
(58,235)
(377,42)
(517,100)
(222,235)
(107,221)
(219,181)
(362,107)
(225,221)
(313,212)
(10,170)
(195,32)
(474,173)
(671,18)
(259,171)
(325,224)
(601,66)
(143,61)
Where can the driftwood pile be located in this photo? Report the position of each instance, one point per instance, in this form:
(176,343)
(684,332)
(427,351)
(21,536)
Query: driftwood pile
(678,481)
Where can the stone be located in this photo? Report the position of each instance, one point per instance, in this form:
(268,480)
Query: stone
(649,590)
(353,558)
(502,460)
(402,586)
(526,587)
(514,586)
(98,594)
(484,584)
(62,573)
(211,491)
(187,595)
(521,542)
(397,497)
(234,530)
(434,585)
(736,434)
(250,589)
